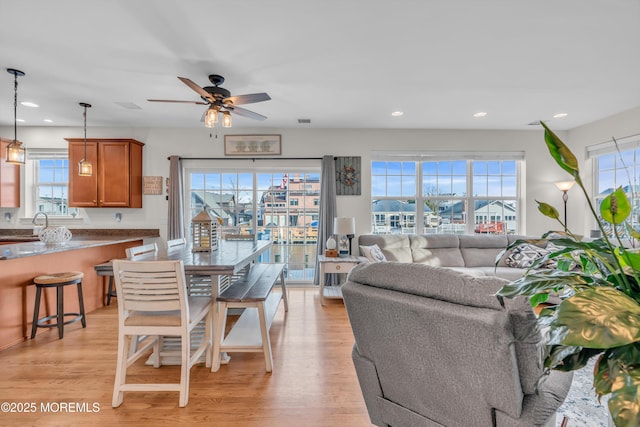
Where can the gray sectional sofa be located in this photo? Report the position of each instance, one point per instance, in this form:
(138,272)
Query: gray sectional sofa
(471,254)
(434,347)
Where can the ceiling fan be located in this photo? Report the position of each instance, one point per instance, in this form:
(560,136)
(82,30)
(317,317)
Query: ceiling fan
(220,100)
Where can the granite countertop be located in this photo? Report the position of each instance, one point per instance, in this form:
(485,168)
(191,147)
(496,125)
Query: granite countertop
(31,245)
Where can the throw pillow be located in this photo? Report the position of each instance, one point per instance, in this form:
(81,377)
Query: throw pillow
(524,255)
(373,253)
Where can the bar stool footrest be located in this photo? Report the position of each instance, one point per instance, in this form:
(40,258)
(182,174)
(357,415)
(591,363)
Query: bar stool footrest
(42,324)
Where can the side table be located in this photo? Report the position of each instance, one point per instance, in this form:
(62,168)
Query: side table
(329,265)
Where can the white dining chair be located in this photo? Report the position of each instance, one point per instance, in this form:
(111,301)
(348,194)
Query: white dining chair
(176,244)
(136,251)
(153,302)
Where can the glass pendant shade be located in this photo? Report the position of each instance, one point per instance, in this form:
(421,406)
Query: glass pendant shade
(226,120)
(85,168)
(15,153)
(211,117)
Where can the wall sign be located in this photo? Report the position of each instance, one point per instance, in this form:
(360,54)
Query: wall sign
(152,185)
(348,172)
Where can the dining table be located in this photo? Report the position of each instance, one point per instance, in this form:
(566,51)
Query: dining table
(218,267)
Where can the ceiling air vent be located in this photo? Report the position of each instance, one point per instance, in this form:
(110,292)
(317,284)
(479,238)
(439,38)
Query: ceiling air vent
(304,121)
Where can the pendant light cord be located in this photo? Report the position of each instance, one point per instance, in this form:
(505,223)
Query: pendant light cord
(15,108)
(84,115)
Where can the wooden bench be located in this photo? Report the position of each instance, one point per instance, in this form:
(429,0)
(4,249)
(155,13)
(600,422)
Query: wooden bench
(250,333)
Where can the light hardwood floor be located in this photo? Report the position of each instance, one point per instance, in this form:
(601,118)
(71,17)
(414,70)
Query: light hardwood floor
(313,381)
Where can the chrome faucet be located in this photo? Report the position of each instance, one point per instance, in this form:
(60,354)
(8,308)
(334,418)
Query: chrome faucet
(46,218)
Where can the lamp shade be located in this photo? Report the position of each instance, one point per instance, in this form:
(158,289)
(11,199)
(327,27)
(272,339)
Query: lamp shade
(564,185)
(344,225)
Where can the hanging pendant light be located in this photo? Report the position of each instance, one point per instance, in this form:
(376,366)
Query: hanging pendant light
(226,120)
(15,152)
(85,168)
(211,117)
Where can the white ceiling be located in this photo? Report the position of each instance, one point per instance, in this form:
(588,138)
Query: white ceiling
(342,64)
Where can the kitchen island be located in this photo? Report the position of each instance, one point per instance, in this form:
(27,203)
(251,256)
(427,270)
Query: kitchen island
(21,262)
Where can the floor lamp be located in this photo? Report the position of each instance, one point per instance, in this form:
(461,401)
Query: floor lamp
(565,186)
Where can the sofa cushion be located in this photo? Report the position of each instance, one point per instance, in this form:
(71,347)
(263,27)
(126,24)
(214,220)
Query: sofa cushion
(436,250)
(482,250)
(373,253)
(508,273)
(524,255)
(395,247)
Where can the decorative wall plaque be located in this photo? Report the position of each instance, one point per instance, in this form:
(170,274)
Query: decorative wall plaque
(152,185)
(348,173)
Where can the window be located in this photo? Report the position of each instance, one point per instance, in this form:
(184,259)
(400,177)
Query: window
(618,166)
(51,182)
(440,195)
(278,206)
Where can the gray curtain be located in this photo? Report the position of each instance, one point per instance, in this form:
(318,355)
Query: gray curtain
(328,212)
(175,222)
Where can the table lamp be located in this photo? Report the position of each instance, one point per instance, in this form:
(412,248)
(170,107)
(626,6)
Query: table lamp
(345,227)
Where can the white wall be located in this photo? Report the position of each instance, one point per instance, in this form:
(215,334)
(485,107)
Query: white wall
(540,171)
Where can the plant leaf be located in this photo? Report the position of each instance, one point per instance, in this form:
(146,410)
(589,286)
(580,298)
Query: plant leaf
(560,152)
(548,210)
(624,403)
(615,208)
(598,318)
(628,258)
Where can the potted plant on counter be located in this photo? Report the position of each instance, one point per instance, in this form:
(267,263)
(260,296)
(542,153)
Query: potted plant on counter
(599,287)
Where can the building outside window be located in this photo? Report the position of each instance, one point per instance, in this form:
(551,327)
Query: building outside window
(277,206)
(446,194)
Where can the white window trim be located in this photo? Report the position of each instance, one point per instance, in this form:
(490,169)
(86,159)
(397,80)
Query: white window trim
(400,156)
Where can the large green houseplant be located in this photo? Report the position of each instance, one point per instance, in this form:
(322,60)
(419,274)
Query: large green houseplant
(599,285)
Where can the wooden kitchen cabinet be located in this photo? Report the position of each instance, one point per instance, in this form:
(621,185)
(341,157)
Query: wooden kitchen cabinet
(9,179)
(117,173)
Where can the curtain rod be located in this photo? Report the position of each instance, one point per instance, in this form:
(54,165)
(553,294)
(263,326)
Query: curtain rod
(250,158)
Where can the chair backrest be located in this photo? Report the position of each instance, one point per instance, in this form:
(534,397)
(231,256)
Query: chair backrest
(150,286)
(135,251)
(176,244)
(437,336)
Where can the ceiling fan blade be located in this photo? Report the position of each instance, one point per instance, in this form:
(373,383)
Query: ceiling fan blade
(182,102)
(246,113)
(248,99)
(203,93)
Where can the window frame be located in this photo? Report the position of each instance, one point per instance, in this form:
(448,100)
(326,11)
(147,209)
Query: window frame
(419,197)
(34,157)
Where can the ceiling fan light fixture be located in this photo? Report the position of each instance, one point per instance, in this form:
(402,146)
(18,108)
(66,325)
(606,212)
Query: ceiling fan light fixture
(211,117)
(226,120)
(85,168)
(16,153)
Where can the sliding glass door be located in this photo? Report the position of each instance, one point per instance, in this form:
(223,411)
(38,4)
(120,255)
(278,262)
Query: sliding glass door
(277,205)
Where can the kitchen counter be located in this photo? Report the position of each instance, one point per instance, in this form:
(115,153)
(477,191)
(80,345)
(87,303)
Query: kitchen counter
(21,262)
(33,248)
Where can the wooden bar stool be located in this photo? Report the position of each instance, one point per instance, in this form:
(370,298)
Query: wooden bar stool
(58,281)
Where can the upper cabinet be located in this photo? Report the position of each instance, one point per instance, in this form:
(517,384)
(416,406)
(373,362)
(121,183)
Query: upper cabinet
(117,173)
(9,179)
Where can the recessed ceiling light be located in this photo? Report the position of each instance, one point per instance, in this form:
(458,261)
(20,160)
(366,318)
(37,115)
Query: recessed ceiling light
(480,114)
(48,120)
(29,104)
(20,120)
(397,113)
(560,115)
